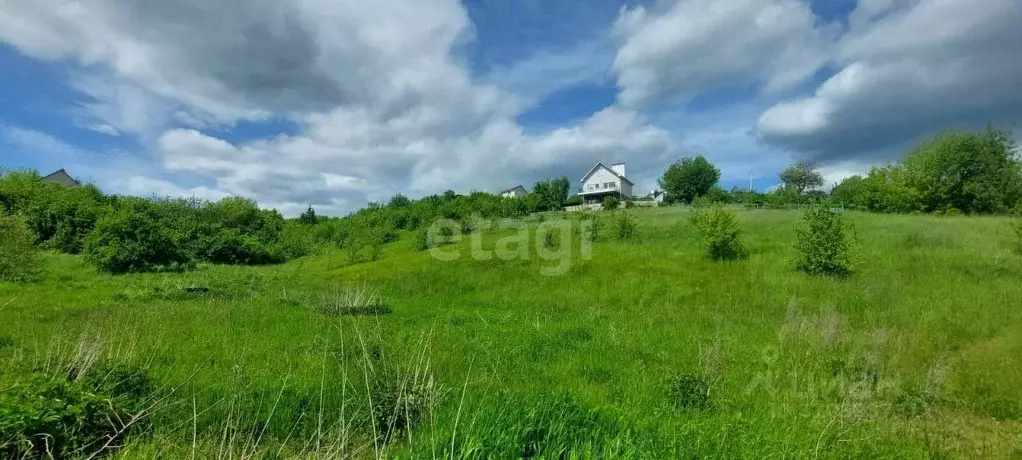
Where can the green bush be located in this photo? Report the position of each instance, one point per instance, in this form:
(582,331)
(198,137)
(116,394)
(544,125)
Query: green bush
(19,260)
(365,244)
(293,242)
(624,226)
(721,232)
(47,416)
(229,246)
(824,243)
(611,202)
(63,217)
(422,242)
(132,239)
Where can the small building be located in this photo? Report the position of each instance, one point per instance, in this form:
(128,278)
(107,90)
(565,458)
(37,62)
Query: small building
(514,192)
(61,178)
(603,181)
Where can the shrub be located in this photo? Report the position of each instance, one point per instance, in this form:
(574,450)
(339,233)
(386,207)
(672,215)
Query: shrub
(365,243)
(721,232)
(611,202)
(624,226)
(19,260)
(59,417)
(824,243)
(229,246)
(131,239)
(422,239)
(293,242)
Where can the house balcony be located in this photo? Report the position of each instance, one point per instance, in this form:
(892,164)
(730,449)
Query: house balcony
(598,190)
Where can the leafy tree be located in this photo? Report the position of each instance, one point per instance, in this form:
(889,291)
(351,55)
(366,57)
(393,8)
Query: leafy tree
(969,172)
(849,192)
(551,194)
(558,192)
(781,197)
(718,195)
(399,201)
(688,178)
(801,176)
(308,217)
(886,189)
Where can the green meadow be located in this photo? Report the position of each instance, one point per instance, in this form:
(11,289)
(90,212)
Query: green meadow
(644,349)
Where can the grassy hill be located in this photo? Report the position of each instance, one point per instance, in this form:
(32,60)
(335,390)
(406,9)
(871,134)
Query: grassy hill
(646,350)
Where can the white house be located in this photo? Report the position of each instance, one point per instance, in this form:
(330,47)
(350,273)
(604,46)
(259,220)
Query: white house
(603,181)
(514,192)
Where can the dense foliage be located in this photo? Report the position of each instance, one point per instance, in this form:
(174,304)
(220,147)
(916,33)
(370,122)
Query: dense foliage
(689,178)
(973,173)
(56,416)
(135,237)
(131,234)
(18,258)
(551,195)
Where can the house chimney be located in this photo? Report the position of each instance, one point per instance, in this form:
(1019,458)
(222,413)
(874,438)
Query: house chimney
(620,169)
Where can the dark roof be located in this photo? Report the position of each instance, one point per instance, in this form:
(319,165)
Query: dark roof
(608,169)
(62,178)
(512,188)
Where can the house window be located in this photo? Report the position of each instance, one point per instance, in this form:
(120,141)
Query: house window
(608,185)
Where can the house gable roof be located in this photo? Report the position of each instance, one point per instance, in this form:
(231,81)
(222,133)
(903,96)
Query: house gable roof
(61,177)
(591,171)
(514,188)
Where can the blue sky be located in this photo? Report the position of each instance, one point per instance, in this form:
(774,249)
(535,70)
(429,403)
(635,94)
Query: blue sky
(335,103)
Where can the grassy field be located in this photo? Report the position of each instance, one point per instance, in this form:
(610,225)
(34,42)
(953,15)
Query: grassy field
(647,350)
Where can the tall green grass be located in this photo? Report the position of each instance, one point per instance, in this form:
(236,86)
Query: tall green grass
(914,355)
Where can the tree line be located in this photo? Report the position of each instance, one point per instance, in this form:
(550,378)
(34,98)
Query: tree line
(121,234)
(954,172)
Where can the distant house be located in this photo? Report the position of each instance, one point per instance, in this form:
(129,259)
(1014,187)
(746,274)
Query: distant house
(603,181)
(61,178)
(514,192)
